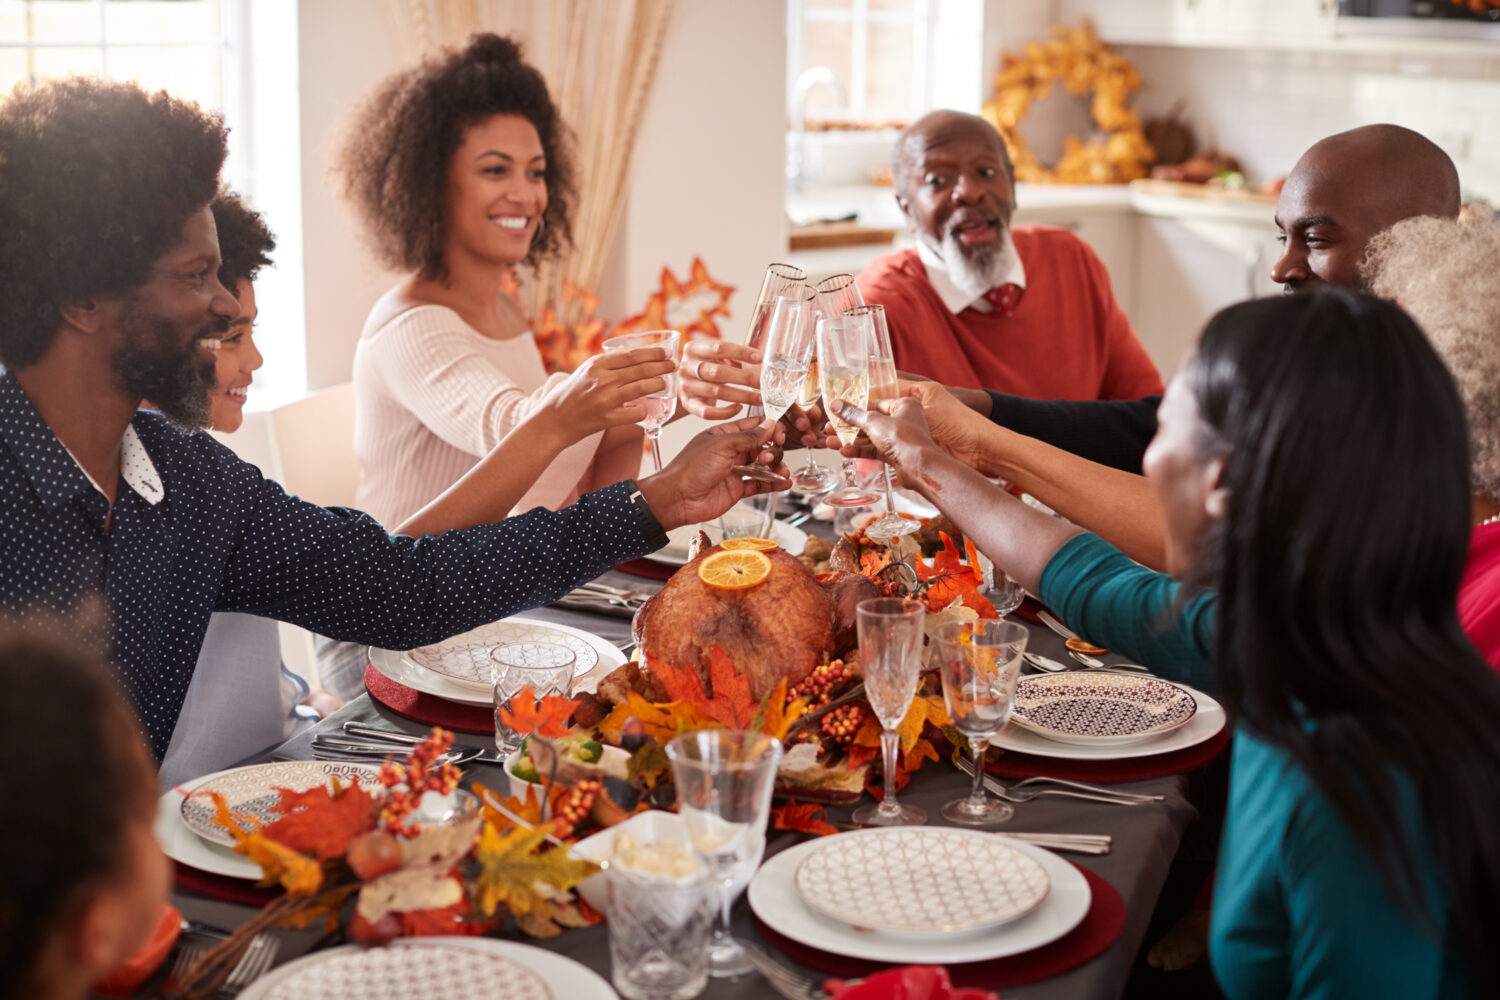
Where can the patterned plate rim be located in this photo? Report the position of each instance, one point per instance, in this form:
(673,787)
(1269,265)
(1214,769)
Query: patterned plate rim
(215,834)
(586,656)
(286,974)
(895,925)
(1125,681)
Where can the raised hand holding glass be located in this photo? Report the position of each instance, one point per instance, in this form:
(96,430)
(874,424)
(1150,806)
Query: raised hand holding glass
(659,406)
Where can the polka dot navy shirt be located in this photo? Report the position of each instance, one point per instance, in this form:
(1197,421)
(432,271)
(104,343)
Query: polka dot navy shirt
(224,538)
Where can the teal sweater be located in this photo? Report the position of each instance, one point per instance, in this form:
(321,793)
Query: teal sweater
(1298,910)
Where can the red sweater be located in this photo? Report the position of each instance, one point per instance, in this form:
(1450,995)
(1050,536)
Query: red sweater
(1479,593)
(1068,339)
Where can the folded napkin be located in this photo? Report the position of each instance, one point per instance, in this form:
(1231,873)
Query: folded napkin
(910,982)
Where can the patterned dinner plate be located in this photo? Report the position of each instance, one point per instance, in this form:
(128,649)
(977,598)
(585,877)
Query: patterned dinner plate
(921,880)
(254,790)
(1100,708)
(465,659)
(429,969)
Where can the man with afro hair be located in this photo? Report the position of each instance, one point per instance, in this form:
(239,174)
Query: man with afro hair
(109,294)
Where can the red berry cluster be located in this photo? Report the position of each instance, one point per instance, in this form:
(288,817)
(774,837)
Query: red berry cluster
(408,780)
(840,726)
(819,687)
(575,808)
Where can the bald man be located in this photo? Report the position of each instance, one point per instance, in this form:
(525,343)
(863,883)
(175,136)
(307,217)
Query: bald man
(1343,191)
(979,304)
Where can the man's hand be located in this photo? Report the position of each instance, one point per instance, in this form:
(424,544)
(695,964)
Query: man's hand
(717,378)
(699,484)
(896,433)
(954,426)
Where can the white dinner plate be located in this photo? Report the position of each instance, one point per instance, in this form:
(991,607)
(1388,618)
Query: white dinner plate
(1205,724)
(181,844)
(774,898)
(565,978)
(675,552)
(1100,708)
(465,658)
(402,669)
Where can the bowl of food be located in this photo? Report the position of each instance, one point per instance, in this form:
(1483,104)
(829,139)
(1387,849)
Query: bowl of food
(579,758)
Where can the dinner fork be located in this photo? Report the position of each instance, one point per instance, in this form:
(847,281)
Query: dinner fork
(789,982)
(1018,794)
(256,959)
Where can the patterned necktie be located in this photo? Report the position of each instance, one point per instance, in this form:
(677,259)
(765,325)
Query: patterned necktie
(1005,298)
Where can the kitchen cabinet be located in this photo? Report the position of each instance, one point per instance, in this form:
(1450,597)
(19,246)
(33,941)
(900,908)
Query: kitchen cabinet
(1268,23)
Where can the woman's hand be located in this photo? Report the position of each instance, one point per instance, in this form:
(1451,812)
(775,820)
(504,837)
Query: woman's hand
(718,377)
(699,484)
(602,392)
(897,434)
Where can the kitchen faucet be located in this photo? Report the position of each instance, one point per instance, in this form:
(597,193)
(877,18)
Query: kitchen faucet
(796,147)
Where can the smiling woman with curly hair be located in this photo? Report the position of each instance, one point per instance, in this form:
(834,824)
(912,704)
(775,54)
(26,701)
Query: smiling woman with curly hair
(461,171)
(1447,275)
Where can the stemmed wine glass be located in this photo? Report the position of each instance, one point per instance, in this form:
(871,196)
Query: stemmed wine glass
(780,280)
(980,662)
(890,649)
(724,779)
(883,386)
(659,405)
(844,374)
(786,355)
(837,294)
(812,479)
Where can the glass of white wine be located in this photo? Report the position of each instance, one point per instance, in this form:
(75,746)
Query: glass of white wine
(844,374)
(659,406)
(883,386)
(812,479)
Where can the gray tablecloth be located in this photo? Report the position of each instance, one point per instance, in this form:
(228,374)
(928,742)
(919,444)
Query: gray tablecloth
(1145,839)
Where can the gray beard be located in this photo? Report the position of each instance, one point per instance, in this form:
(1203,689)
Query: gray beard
(147,368)
(973,271)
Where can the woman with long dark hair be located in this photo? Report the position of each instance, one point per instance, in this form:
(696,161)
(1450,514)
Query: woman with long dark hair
(1312,463)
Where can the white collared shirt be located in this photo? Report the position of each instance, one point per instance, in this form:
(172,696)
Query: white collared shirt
(136,468)
(955,298)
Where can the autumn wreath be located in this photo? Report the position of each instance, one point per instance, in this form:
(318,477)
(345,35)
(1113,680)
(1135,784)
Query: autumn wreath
(1076,58)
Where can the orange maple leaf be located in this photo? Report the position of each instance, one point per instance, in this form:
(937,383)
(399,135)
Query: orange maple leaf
(950,578)
(660,721)
(914,749)
(531,716)
(528,810)
(806,817)
(321,822)
(776,715)
(732,703)
(299,874)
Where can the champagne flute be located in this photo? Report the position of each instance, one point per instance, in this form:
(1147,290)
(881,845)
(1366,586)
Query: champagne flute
(980,662)
(844,374)
(779,280)
(812,479)
(890,650)
(659,405)
(724,779)
(883,386)
(837,294)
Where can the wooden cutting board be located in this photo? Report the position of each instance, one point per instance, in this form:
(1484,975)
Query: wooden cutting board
(1181,189)
(820,235)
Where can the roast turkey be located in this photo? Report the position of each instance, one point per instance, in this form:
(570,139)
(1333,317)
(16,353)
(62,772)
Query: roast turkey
(780,628)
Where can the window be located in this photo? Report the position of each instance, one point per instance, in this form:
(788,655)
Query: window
(875,50)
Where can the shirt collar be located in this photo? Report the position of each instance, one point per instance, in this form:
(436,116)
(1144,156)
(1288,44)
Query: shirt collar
(54,473)
(955,298)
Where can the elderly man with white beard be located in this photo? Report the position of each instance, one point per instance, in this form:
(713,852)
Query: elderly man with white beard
(978,304)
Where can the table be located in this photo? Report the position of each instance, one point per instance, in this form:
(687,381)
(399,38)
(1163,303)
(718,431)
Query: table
(1146,838)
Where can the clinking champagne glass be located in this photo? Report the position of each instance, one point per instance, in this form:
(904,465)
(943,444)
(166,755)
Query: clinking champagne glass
(659,405)
(724,779)
(786,354)
(890,651)
(780,280)
(812,479)
(980,663)
(883,386)
(838,294)
(844,374)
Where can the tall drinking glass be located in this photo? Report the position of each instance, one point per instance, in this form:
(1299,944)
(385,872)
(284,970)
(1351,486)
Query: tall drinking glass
(780,280)
(812,479)
(724,779)
(883,386)
(844,374)
(543,668)
(659,405)
(890,650)
(980,662)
